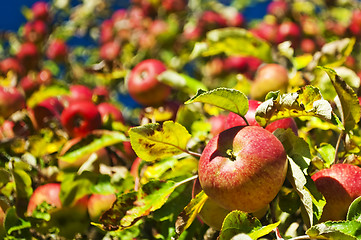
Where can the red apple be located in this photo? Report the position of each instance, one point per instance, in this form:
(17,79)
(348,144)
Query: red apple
(143,85)
(29,84)
(174,5)
(278,8)
(57,50)
(46,193)
(289,31)
(47,111)
(355,23)
(28,55)
(110,50)
(266,31)
(100,94)
(211,20)
(79,93)
(40,10)
(107,31)
(80,118)
(234,119)
(11,100)
(269,77)
(35,31)
(308,45)
(218,124)
(108,110)
(243,168)
(12,64)
(99,203)
(236,20)
(236,64)
(340,185)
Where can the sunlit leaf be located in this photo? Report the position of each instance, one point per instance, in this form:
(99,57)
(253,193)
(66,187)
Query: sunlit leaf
(46,92)
(238,222)
(4,176)
(187,216)
(233,41)
(181,81)
(327,152)
(106,139)
(307,101)
(225,98)
(354,210)
(334,54)
(132,206)
(154,141)
(341,230)
(350,108)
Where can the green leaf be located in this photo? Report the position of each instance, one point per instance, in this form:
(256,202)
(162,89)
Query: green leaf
(299,160)
(307,101)
(108,138)
(341,230)
(238,222)
(13,223)
(46,92)
(181,81)
(354,210)
(233,41)
(154,141)
(349,104)
(225,98)
(327,152)
(130,207)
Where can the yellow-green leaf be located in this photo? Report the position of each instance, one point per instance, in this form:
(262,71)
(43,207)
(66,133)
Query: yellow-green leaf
(155,141)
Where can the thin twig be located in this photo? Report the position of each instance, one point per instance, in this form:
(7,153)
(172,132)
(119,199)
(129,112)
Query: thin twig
(338,146)
(194,154)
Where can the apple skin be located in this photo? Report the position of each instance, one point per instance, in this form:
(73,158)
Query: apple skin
(234,119)
(11,100)
(28,55)
(99,203)
(218,124)
(143,85)
(108,110)
(269,77)
(243,168)
(40,10)
(110,50)
(48,193)
(57,50)
(46,111)
(80,118)
(340,185)
(35,31)
(80,92)
(12,64)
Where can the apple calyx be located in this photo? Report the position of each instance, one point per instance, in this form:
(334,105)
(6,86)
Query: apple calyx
(231,155)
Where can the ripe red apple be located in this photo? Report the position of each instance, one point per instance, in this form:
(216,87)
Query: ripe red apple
(355,23)
(47,111)
(29,84)
(12,64)
(340,185)
(100,94)
(11,100)
(278,8)
(79,93)
(106,31)
(28,55)
(269,77)
(289,31)
(40,10)
(99,203)
(80,118)
(35,31)
(235,64)
(46,193)
(174,5)
(143,85)
(57,50)
(266,31)
(108,110)
(218,124)
(243,168)
(234,119)
(308,45)
(110,50)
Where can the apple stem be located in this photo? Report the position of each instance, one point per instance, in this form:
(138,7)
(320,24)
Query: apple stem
(245,119)
(194,154)
(186,180)
(231,154)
